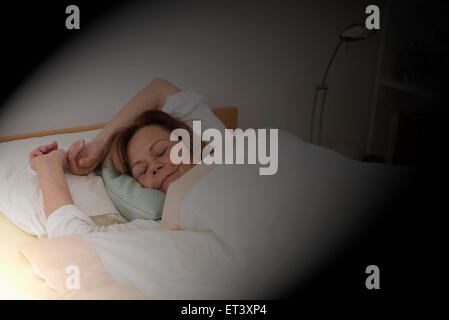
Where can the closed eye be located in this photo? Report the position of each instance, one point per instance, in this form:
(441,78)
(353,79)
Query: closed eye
(162,153)
(143,171)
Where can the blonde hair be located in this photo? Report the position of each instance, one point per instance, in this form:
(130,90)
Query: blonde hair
(116,148)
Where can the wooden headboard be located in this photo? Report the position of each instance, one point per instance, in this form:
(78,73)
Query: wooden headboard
(227,115)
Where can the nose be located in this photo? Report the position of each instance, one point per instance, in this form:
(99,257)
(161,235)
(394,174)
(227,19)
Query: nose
(155,168)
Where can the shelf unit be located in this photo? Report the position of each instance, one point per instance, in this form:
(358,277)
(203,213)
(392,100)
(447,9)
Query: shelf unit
(410,77)
(415,91)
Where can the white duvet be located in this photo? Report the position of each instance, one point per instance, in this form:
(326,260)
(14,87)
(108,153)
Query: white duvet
(242,235)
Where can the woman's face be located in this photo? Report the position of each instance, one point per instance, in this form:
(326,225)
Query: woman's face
(149,158)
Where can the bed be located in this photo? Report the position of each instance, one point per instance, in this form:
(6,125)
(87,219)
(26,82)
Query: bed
(18,280)
(227,232)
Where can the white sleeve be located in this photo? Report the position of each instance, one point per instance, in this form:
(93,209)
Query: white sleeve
(188,106)
(69,220)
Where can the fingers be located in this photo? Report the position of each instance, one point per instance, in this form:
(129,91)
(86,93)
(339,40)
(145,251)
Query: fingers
(48,147)
(86,162)
(42,150)
(75,149)
(34,154)
(73,154)
(82,158)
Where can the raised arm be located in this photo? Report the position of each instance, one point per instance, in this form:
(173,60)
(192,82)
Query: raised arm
(152,97)
(83,158)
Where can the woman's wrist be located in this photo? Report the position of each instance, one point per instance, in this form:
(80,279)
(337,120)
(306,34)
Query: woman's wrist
(44,164)
(100,141)
(55,191)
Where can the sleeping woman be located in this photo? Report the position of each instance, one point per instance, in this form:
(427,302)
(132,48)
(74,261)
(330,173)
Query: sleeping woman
(137,141)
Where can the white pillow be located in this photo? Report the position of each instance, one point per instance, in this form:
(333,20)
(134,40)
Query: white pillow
(20,194)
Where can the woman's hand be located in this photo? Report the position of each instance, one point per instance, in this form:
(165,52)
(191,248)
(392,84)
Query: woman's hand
(49,154)
(84,158)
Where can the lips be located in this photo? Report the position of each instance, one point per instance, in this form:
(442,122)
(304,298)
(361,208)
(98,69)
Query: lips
(168,176)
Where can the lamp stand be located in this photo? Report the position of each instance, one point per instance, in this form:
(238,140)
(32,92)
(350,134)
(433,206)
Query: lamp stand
(322,87)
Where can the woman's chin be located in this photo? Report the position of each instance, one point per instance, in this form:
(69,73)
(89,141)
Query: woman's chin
(166,184)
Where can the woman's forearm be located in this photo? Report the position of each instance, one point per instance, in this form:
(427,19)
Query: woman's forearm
(55,191)
(152,97)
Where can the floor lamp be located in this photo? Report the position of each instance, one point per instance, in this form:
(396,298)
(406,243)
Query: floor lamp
(353,32)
